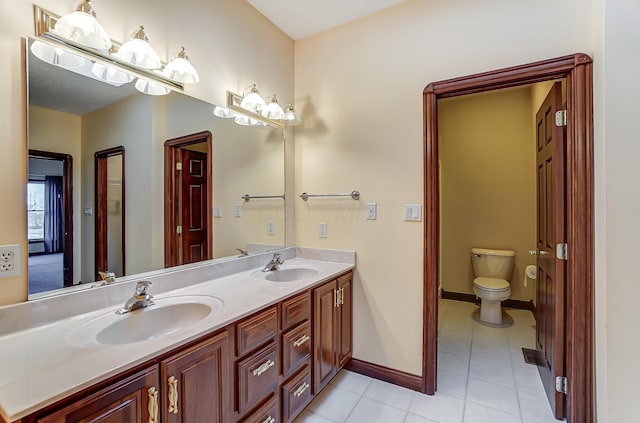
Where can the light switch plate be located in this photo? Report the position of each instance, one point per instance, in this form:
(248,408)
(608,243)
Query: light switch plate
(88,211)
(270,229)
(237,210)
(322,230)
(372,211)
(413,212)
(217,211)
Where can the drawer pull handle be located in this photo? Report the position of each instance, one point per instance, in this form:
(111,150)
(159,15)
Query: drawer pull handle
(269,420)
(298,392)
(173,395)
(298,342)
(263,367)
(153,405)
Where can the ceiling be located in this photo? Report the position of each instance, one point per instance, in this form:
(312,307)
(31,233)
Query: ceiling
(302,18)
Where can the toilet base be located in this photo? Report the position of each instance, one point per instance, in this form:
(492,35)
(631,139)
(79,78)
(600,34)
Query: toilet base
(491,311)
(507,320)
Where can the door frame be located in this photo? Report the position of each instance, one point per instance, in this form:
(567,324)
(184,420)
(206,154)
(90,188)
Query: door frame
(101,209)
(67,205)
(171,186)
(579,343)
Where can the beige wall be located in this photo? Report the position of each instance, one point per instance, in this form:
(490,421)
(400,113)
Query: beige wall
(359,88)
(231,45)
(488,185)
(59,132)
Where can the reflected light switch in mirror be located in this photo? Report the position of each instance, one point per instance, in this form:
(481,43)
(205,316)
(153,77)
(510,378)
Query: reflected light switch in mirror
(88,211)
(270,230)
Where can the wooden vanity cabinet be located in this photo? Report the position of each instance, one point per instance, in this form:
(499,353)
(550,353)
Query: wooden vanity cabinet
(130,400)
(332,329)
(196,383)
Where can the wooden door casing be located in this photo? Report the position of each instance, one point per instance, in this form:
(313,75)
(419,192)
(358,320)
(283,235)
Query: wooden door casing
(550,315)
(126,401)
(193,207)
(202,381)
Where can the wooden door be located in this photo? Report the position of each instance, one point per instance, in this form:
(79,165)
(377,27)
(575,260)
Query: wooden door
(344,320)
(550,316)
(324,335)
(196,383)
(193,207)
(127,401)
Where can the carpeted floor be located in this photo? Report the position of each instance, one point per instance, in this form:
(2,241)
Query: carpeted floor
(45,273)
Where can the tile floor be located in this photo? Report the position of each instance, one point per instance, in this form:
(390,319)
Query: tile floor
(482,378)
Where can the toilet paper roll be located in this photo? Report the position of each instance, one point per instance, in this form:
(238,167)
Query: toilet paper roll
(530,272)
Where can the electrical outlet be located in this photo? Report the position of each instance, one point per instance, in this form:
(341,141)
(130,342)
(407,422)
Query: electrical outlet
(9,260)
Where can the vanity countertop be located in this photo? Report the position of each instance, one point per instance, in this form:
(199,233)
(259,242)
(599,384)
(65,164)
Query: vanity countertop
(42,364)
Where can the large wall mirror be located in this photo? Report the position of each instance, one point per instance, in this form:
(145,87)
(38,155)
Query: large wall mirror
(85,218)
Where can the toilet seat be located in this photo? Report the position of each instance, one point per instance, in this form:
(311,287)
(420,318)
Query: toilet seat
(491,284)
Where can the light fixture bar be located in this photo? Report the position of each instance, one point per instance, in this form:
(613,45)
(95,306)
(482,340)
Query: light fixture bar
(44,24)
(233,103)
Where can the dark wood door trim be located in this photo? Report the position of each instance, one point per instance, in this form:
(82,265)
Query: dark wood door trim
(101,209)
(67,204)
(579,356)
(171,186)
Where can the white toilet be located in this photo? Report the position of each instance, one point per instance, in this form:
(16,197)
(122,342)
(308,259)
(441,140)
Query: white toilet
(492,270)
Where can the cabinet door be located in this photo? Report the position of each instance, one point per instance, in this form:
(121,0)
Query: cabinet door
(127,401)
(324,335)
(196,383)
(344,319)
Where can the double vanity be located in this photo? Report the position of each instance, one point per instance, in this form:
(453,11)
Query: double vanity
(220,341)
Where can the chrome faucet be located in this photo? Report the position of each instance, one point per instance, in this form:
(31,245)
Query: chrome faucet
(243,252)
(140,299)
(275,263)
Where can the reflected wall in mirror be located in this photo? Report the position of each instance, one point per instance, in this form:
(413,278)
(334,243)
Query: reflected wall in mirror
(77,116)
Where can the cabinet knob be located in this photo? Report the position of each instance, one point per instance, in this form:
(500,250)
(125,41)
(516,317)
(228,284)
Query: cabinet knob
(173,395)
(263,367)
(153,405)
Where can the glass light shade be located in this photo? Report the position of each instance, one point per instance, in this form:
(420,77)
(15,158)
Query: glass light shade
(82,27)
(290,116)
(110,74)
(223,112)
(151,88)
(246,121)
(56,56)
(273,110)
(180,70)
(253,101)
(139,52)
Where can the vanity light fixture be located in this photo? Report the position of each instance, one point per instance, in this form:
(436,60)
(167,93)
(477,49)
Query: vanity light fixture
(83,28)
(180,70)
(252,110)
(83,37)
(253,101)
(138,51)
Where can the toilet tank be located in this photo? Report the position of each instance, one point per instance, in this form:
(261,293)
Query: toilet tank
(490,263)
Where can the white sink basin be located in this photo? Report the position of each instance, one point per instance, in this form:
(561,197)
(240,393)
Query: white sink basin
(288,274)
(170,315)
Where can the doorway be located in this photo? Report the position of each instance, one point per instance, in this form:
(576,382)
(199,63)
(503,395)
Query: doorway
(578,302)
(188,199)
(50,220)
(110,212)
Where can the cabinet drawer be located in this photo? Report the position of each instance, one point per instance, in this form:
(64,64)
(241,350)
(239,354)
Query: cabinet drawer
(268,413)
(296,348)
(296,394)
(257,377)
(296,310)
(256,330)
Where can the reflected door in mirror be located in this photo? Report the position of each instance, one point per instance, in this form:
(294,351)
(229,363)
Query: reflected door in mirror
(110,209)
(193,207)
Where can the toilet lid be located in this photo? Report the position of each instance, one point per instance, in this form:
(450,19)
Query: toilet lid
(491,284)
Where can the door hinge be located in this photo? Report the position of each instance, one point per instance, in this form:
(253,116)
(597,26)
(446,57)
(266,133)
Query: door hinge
(561,384)
(179,229)
(561,118)
(178,166)
(561,251)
